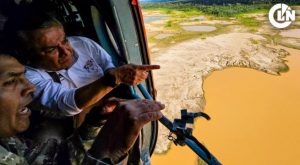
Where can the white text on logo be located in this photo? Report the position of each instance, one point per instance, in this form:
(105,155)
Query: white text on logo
(285,15)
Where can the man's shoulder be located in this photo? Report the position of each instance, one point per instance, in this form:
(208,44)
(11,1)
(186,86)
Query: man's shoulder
(31,70)
(35,73)
(79,39)
(80,42)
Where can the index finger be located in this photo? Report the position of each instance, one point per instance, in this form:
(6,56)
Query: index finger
(148,67)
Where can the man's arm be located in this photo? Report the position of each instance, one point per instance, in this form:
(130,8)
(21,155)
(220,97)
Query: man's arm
(122,129)
(127,74)
(52,95)
(71,101)
(90,94)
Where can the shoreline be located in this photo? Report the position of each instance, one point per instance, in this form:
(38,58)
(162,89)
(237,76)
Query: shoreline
(186,89)
(206,131)
(260,115)
(186,64)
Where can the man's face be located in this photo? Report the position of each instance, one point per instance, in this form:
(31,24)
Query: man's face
(15,95)
(52,50)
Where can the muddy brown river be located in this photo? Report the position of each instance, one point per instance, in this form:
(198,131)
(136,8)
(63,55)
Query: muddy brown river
(255,118)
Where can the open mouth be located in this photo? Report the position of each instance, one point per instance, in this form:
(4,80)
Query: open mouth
(24,111)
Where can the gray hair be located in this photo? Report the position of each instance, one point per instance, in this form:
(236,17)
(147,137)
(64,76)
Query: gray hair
(32,25)
(21,27)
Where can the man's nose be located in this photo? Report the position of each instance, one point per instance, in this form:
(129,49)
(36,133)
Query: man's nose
(29,88)
(63,49)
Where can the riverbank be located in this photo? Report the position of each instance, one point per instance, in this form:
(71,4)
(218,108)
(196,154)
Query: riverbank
(254,118)
(188,57)
(185,63)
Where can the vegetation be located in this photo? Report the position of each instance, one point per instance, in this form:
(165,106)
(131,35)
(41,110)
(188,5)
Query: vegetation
(246,1)
(180,14)
(183,35)
(250,22)
(222,2)
(215,10)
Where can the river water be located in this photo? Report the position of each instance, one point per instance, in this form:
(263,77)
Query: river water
(293,33)
(255,118)
(199,28)
(154,18)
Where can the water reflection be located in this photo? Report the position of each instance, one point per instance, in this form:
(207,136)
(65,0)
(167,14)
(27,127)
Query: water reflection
(199,28)
(154,18)
(161,36)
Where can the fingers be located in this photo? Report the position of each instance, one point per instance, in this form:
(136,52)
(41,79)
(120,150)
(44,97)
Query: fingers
(114,100)
(149,105)
(147,67)
(143,111)
(132,74)
(150,116)
(141,76)
(137,107)
(150,111)
(143,72)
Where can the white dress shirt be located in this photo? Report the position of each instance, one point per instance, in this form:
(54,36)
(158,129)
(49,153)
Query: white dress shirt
(91,61)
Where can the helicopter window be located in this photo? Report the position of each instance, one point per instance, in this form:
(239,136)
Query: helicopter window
(104,34)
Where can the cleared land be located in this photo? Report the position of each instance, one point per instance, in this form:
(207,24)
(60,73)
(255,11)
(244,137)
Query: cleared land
(243,39)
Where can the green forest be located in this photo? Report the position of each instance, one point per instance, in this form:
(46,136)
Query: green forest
(219,8)
(246,1)
(225,2)
(216,10)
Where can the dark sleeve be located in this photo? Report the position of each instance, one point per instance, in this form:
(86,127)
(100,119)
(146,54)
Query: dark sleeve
(12,151)
(8,158)
(42,153)
(90,160)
